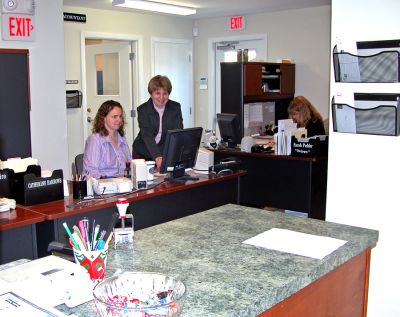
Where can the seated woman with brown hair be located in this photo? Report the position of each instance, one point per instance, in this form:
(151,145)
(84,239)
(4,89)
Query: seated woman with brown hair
(106,150)
(302,112)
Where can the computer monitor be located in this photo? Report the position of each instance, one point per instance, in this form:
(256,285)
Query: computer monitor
(180,152)
(229,129)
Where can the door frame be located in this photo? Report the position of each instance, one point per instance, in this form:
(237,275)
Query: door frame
(211,68)
(176,41)
(138,85)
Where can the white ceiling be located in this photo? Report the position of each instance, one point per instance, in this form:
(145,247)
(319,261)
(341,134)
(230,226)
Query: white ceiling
(214,8)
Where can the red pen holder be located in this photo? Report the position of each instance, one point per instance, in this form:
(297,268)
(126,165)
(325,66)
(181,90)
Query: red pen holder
(93,261)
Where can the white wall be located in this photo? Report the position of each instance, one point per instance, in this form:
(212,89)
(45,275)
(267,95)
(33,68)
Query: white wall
(48,108)
(363,172)
(144,26)
(299,34)
(303,35)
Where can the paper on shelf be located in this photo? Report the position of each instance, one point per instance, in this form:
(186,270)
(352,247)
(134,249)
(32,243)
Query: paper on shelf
(296,243)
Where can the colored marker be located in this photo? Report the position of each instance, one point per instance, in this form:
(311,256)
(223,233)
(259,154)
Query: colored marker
(70,235)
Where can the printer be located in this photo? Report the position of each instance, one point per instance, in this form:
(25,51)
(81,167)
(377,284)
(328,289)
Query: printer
(117,185)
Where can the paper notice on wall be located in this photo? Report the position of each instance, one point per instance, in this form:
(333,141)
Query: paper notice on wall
(256,112)
(246,115)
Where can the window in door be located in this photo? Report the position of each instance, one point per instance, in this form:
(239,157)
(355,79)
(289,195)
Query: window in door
(107,74)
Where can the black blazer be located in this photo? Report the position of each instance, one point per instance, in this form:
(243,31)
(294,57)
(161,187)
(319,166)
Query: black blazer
(315,128)
(149,122)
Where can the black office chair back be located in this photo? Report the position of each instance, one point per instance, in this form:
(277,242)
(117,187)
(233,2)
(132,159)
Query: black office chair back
(79,164)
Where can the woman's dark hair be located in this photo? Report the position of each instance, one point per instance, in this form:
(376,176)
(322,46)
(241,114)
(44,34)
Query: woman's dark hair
(158,82)
(104,110)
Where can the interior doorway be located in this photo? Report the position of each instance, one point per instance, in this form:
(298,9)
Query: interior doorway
(173,58)
(123,44)
(109,65)
(225,50)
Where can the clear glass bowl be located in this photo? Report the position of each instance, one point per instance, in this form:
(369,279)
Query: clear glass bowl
(139,294)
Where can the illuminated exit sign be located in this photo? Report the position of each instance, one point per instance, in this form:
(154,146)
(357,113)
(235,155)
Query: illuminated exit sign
(18,27)
(237,22)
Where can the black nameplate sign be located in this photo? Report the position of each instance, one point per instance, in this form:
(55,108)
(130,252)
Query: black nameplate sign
(74,17)
(29,188)
(4,183)
(310,147)
(41,190)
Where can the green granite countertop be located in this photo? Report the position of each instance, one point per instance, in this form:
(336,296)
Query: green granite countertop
(224,277)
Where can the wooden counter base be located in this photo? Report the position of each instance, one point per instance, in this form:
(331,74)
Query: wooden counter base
(342,292)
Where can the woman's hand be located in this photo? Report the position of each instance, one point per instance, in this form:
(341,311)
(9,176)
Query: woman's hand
(158,162)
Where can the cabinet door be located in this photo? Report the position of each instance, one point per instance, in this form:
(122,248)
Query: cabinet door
(15,133)
(287,79)
(252,80)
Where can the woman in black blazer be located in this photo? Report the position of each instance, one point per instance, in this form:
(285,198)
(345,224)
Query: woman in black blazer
(149,144)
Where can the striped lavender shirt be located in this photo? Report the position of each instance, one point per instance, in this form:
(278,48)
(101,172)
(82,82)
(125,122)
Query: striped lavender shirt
(101,158)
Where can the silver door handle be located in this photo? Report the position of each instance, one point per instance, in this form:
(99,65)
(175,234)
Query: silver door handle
(89,119)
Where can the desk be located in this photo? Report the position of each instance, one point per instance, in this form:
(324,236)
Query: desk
(150,207)
(286,182)
(18,234)
(227,278)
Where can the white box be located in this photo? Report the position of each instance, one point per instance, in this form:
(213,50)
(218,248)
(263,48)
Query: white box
(139,173)
(205,159)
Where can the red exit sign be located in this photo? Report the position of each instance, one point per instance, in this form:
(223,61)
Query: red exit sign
(236,22)
(18,27)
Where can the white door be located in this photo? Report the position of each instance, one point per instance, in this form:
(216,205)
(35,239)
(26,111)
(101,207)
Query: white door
(226,51)
(173,58)
(109,76)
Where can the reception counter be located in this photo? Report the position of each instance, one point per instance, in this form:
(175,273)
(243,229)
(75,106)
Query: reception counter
(225,277)
(27,231)
(280,181)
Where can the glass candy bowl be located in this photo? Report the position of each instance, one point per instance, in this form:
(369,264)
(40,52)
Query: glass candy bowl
(139,294)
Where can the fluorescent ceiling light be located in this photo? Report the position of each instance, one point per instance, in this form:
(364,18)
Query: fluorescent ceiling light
(154,6)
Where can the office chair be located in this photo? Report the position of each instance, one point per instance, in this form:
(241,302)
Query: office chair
(79,164)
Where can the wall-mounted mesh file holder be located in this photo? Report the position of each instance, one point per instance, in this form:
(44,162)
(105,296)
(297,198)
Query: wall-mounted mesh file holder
(376,62)
(74,99)
(372,114)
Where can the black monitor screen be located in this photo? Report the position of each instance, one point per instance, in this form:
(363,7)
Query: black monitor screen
(180,151)
(229,129)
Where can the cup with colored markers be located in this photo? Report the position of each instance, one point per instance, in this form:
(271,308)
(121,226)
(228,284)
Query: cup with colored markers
(93,261)
(91,253)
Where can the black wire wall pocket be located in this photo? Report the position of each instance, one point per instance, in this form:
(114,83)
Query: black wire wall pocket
(372,114)
(375,62)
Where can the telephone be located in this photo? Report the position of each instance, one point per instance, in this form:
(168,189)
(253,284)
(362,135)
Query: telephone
(228,164)
(262,149)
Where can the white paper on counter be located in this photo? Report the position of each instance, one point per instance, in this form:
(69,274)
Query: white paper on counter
(296,243)
(13,305)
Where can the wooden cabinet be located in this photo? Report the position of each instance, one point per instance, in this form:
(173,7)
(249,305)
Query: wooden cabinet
(268,80)
(253,82)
